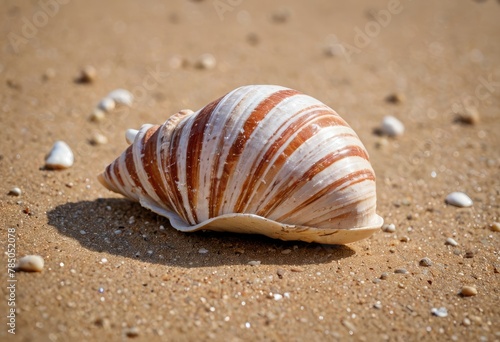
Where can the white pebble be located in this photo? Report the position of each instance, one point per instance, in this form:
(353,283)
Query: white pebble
(451,242)
(495,226)
(203,251)
(97,115)
(130,135)
(88,74)
(206,61)
(60,157)
(98,139)
(121,96)
(389,228)
(459,199)
(441,312)
(30,263)
(107,104)
(15,192)
(468,291)
(392,126)
(277,296)
(254,263)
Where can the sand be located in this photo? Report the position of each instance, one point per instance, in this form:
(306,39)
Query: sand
(115,271)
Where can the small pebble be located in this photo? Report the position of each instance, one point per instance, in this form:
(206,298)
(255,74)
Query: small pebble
(468,291)
(107,104)
(49,74)
(15,192)
(377,305)
(281,15)
(384,276)
(98,139)
(97,115)
(441,312)
(130,135)
(254,263)
(469,254)
(469,116)
(132,332)
(203,251)
(176,62)
(286,251)
(395,98)
(466,321)
(206,61)
(277,296)
(30,263)
(121,97)
(459,199)
(389,228)
(60,157)
(280,272)
(405,239)
(495,227)
(426,262)
(392,126)
(87,74)
(400,271)
(451,242)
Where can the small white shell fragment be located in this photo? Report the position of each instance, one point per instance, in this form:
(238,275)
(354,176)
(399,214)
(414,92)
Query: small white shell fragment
(451,242)
(392,126)
(97,115)
(60,157)
(441,312)
(254,263)
(389,228)
(203,251)
(30,263)
(206,61)
(107,104)
(459,199)
(98,139)
(495,227)
(130,135)
(15,192)
(121,96)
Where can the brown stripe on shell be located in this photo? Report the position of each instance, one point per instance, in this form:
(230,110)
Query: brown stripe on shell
(116,172)
(130,166)
(194,148)
(252,122)
(151,165)
(300,126)
(351,179)
(316,168)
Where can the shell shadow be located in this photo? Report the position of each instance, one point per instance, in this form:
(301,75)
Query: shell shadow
(121,227)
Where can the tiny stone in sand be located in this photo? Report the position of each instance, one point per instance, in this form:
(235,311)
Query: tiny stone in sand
(439,312)
(426,262)
(121,96)
(98,139)
(389,228)
(451,242)
(395,98)
(97,115)
(391,126)
(400,271)
(30,263)
(60,157)
(254,263)
(15,192)
(206,61)
(107,104)
(459,199)
(469,116)
(495,227)
(88,74)
(468,291)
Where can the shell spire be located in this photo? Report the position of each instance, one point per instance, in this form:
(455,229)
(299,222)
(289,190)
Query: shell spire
(261,159)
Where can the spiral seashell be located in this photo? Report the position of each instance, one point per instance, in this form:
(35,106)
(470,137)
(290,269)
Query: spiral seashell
(262,159)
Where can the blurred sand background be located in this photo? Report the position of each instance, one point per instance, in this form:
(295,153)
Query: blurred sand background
(115,271)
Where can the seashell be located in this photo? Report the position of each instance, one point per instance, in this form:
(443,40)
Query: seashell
(262,159)
(392,127)
(459,199)
(59,157)
(30,263)
(121,96)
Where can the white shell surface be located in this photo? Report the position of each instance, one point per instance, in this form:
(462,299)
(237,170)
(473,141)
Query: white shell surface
(392,127)
(107,104)
(30,263)
(60,156)
(262,159)
(121,96)
(130,135)
(459,199)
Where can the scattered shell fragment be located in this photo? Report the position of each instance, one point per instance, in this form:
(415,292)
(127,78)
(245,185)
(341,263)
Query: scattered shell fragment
(469,116)
(468,291)
(254,263)
(495,227)
(98,139)
(395,98)
(206,61)
(130,135)
(87,74)
(97,115)
(203,251)
(391,126)
(451,242)
(401,271)
(121,96)
(439,312)
(426,262)
(132,332)
(389,228)
(60,157)
(15,192)
(107,104)
(459,199)
(30,263)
